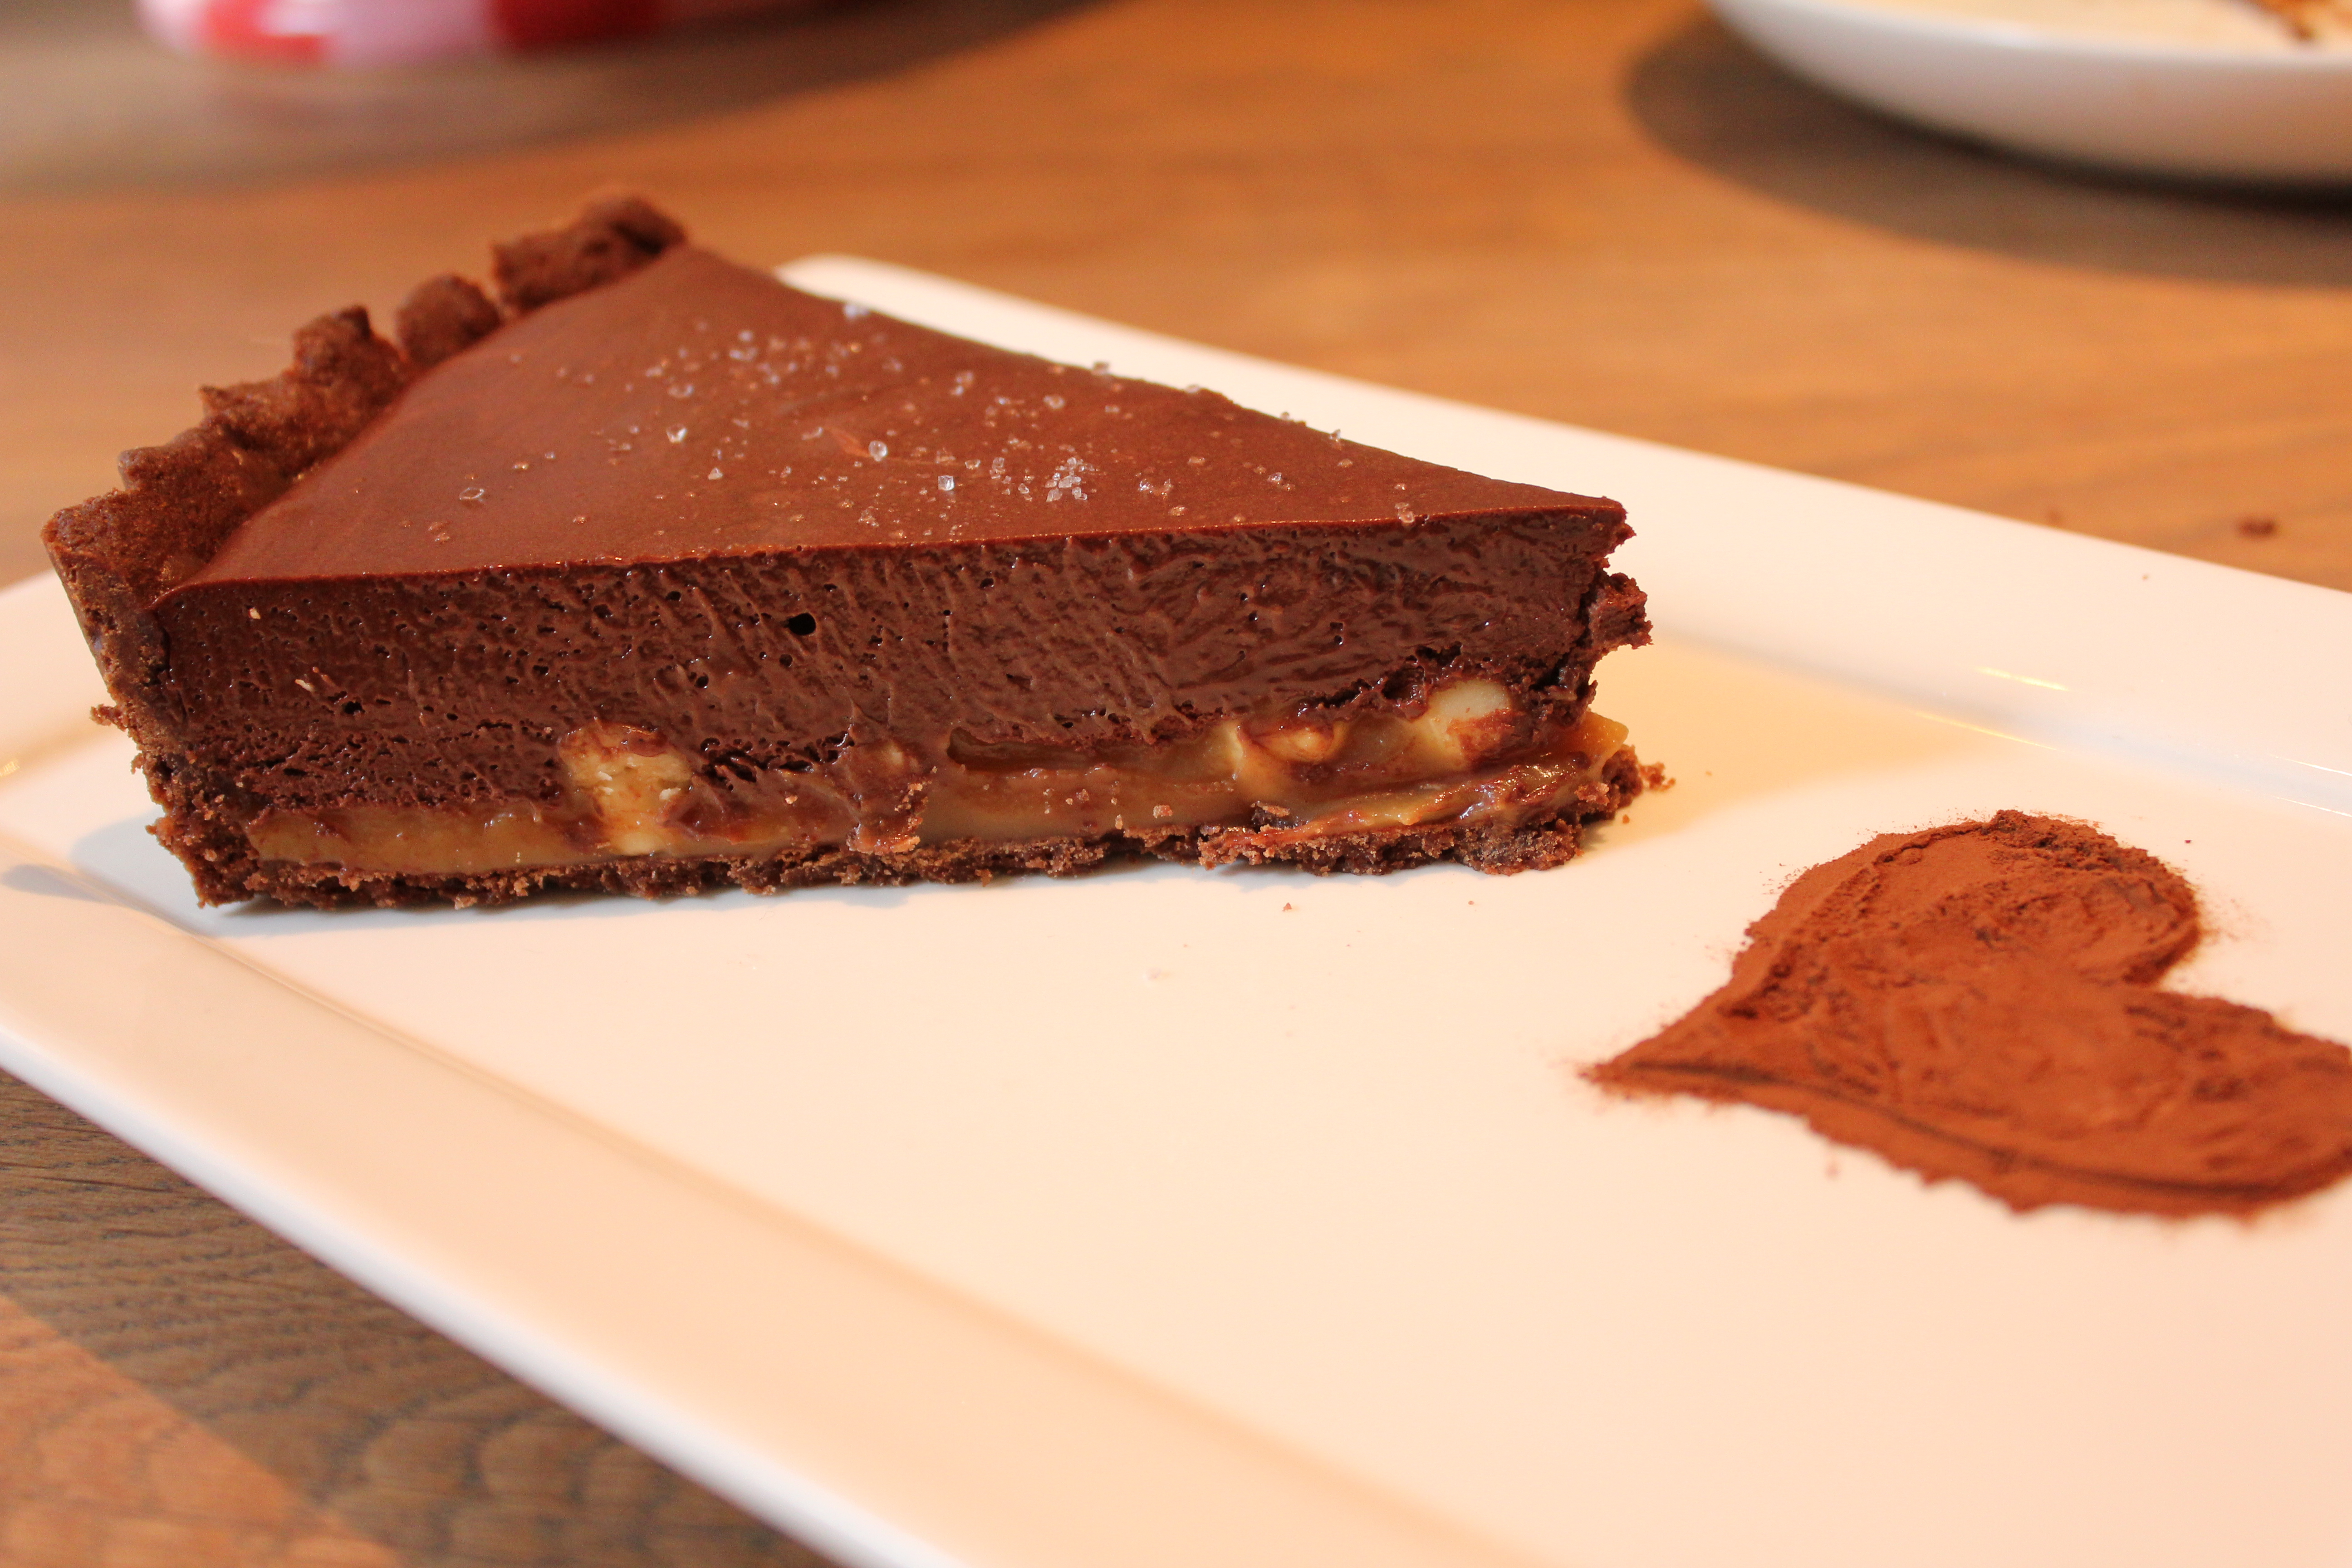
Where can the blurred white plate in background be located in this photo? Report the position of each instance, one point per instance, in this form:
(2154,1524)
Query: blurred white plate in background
(2202,88)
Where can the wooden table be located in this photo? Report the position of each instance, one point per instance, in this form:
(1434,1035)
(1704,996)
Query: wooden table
(1601,211)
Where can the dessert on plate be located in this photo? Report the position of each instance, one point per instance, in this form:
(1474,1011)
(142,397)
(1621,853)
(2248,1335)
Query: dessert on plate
(653,574)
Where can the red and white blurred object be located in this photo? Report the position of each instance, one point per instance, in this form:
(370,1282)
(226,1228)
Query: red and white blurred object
(405,32)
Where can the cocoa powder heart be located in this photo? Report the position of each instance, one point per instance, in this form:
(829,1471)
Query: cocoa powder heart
(1978,1000)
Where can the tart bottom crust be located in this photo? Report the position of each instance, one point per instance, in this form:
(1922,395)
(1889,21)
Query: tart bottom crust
(210,839)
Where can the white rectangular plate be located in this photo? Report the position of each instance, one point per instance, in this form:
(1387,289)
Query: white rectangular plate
(1171,1217)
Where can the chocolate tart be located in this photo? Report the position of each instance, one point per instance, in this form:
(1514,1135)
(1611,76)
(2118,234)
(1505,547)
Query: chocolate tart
(653,574)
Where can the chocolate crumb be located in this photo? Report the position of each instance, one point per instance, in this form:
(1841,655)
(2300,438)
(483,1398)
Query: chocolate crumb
(611,238)
(441,316)
(2258,527)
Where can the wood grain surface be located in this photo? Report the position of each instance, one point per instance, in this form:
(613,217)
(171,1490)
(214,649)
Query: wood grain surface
(179,1388)
(1603,211)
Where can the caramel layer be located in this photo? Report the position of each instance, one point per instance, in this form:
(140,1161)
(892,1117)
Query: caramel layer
(1471,756)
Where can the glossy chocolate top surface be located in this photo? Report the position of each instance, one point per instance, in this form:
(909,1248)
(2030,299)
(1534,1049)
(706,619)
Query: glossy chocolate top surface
(700,408)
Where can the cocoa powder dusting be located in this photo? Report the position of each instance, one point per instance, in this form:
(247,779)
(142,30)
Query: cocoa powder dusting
(1979,1001)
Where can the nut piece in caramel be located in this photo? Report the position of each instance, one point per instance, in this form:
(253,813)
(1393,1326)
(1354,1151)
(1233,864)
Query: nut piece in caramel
(1466,722)
(635,783)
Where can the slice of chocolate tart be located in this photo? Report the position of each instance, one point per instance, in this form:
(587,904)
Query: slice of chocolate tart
(658,574)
